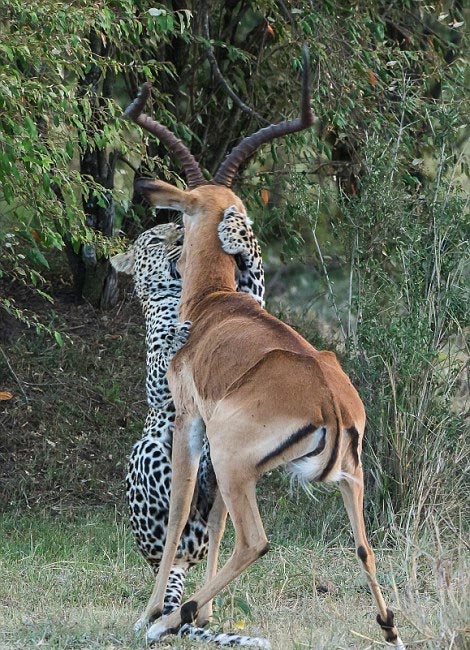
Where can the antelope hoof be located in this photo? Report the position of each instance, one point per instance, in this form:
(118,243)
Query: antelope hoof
(157,631)
(204,615)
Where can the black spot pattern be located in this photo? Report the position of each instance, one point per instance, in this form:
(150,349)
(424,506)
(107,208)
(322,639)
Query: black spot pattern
(148,479)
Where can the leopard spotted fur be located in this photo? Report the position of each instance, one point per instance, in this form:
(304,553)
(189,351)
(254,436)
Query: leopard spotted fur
(152,262)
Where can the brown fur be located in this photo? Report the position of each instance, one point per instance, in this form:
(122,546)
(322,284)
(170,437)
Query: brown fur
(255,382)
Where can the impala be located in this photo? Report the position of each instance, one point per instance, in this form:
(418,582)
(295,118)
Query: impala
(266,397)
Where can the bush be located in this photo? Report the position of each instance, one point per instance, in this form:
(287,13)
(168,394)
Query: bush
(407,315)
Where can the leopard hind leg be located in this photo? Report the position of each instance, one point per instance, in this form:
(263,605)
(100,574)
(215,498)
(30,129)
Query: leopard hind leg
(175,588)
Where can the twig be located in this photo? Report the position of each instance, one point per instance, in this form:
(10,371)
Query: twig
(221,79)
(400,130)
(368,638)
(350,290)
(330,286)
(14,374)
(285,10)
(440,167)
(123,301)
(303,172)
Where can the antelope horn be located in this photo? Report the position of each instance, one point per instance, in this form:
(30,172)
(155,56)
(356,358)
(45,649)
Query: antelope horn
(227,170)
(175,146)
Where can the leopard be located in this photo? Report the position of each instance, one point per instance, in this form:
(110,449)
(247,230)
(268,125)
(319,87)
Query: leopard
(152,262)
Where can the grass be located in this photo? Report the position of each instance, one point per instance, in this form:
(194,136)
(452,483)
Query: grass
(73,579)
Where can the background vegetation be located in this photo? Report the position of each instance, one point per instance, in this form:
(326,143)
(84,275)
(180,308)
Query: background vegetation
(364,226)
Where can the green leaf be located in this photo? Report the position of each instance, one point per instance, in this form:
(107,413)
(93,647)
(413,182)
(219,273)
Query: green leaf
(69,148)
(31,127)
(242,605)
(38,257)
(7,193)
(46,181)
(8,51)
(59,339)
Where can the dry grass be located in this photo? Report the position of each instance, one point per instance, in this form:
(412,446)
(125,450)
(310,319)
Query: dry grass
(74,580)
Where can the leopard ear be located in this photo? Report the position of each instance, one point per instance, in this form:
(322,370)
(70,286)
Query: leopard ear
(124,262)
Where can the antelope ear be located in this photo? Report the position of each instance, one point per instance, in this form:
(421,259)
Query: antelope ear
(163,195)
(124,262)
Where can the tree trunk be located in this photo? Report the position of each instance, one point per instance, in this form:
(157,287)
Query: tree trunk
(94,278)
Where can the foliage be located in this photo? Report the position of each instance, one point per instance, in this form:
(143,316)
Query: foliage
(68,69)
(371,188)
(409,303)
(402,326)
(58,104)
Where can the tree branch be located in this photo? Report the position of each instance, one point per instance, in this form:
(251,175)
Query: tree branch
(128,163)
(220,78)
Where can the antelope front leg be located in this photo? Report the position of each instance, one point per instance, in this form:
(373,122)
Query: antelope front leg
(239,495)
(187,443)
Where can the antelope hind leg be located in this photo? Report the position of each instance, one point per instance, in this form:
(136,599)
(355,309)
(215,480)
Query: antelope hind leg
(352,491)
(216,526)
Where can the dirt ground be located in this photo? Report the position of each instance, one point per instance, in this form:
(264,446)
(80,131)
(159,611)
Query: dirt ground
(75,411)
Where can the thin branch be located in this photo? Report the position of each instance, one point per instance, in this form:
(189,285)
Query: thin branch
(14,374)
(220,78)
(401,128)
(286,12)
(350,290)
(330,286)
(440,167)
(304,172)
